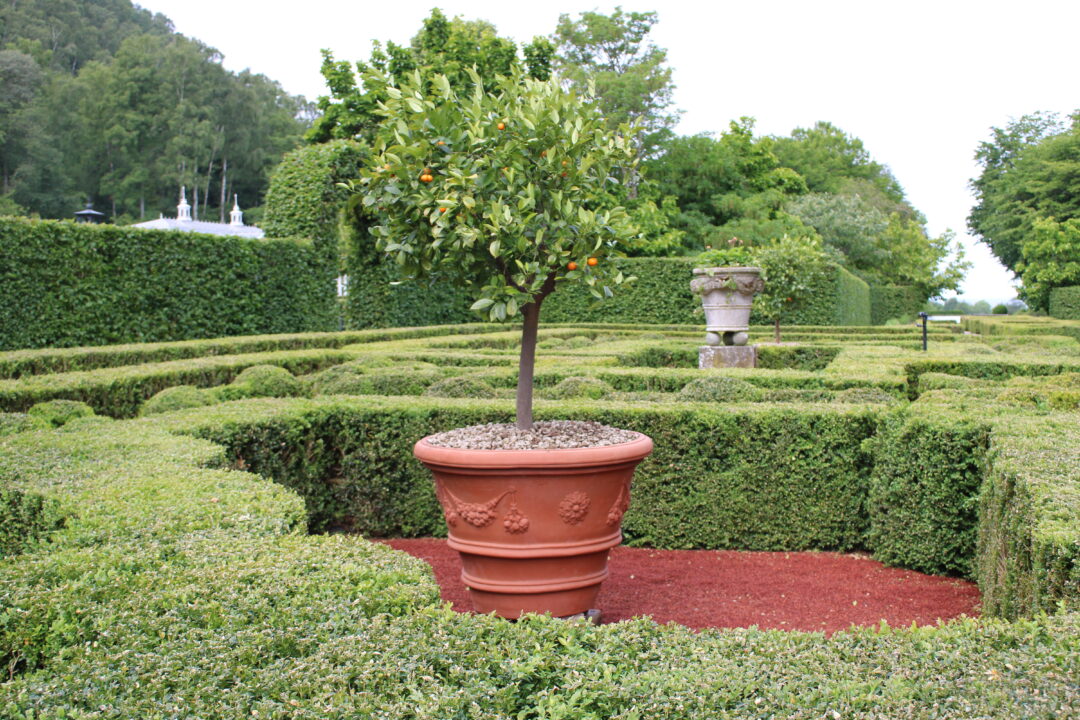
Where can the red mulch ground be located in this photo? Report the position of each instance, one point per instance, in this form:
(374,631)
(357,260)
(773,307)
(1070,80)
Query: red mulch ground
(726,588)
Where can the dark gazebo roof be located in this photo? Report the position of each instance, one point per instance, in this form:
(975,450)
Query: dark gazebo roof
(90,215)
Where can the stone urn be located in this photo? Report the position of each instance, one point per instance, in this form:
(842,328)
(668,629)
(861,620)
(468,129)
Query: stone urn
(534,527)
(727,293)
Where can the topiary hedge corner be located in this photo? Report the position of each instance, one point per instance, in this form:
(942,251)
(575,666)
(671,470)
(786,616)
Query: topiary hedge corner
(165,564)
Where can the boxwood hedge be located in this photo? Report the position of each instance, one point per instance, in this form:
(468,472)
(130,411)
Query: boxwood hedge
(170,578)
(65,284)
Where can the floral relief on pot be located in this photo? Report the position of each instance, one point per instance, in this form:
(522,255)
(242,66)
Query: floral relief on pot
(619,508)
(574,507)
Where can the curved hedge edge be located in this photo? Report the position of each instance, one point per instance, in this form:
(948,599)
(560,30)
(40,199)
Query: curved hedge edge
(121,391)
(159,532)
(19,363)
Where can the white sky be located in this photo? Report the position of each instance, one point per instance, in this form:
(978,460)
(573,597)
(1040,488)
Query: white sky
(920,83)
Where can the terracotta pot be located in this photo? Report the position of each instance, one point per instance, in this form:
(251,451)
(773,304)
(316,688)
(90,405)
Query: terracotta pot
(727,295)
(534,527)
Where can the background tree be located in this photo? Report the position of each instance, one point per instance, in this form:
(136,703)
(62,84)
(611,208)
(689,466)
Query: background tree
(124,111)
(731,185)
(832,161)
(1051,258)
(880,249)
(1030,169)
(504,192)
(632,81)
(792,267)
(20,79)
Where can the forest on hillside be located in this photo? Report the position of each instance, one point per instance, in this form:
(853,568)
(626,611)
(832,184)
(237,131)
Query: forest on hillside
(103,101)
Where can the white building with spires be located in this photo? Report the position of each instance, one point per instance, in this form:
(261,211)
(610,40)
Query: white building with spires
(183,222)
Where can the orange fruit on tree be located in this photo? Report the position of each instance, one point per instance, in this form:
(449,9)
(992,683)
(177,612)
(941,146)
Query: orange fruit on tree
(571,266)
(501,126)
(442,210)
(592,262)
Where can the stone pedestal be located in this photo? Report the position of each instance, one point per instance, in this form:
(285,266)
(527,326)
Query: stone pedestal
(726,356)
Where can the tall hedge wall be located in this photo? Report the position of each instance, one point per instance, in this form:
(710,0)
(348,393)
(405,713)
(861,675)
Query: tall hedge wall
(63,284)
(304,198)
(661,294)
(1065,302)
(374,301)
(894,301)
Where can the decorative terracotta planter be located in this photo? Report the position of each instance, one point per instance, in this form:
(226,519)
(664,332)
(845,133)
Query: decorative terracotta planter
(534,527)
(727,294)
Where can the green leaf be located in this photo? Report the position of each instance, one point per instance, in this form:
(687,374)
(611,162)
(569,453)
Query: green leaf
(482,303)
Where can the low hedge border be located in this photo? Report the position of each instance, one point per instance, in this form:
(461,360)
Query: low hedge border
(180,568)
(20,363)
(120,391)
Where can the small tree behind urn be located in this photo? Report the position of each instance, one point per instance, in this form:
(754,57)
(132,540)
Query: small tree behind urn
(792,268)
(502,193)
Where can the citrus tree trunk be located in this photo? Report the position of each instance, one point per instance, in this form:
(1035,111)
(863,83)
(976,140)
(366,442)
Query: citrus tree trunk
(527,363)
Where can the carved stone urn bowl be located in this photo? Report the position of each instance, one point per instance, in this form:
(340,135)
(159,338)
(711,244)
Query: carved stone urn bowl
(727,293)
(534,527)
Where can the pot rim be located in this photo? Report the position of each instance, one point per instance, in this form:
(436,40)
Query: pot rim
(539,457)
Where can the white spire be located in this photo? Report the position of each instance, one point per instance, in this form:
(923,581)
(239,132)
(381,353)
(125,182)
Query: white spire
(236,217)
(183,210)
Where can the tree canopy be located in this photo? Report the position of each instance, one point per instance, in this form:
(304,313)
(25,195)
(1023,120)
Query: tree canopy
(630,76)
(109,104)
(1030,170)
(447,47)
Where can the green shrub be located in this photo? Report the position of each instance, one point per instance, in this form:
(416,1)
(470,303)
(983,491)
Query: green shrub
(304,198)
(661,295)
(25,518)
(264,381)
(1000,309)
(11,423)
(719,389)
(179,397)
(121,391)
(460,387)
(943,381)
(580,387)
(375,378)
(1065,302)
(797,395)
(864,395)
(134,284)
(57,412)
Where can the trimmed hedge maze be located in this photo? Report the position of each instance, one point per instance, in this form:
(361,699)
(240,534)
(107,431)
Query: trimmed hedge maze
(173,523)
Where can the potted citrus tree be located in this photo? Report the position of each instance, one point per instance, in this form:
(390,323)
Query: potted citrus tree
(507,194)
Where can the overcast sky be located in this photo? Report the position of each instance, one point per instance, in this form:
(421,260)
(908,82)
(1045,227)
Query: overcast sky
(921,83)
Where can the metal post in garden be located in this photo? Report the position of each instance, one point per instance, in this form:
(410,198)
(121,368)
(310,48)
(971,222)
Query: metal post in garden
(925,317)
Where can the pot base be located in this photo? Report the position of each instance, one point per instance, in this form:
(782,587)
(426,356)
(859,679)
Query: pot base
(514,585)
